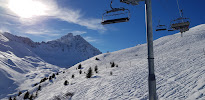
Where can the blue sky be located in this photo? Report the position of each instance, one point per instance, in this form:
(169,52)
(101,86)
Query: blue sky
(44,20)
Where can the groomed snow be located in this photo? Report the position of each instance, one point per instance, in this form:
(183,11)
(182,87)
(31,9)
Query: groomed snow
(179,68)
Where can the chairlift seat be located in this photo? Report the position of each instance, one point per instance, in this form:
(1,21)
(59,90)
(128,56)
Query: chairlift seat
(115,21)
(162,29)
(179,26)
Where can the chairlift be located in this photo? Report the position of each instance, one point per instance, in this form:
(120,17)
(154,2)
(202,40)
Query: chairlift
(161,27)
(115,12)
(181,24)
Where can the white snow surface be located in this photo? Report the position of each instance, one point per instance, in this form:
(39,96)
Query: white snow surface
(179,69)
(24,62)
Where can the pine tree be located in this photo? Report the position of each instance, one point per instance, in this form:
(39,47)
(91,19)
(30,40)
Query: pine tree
(53,76)
(14,98)
(112,64)
(96,69)
(26,96)
(90,73)
(50,78)
(66,82)
(31,97)
(79,66)
(39,88)
(97,58)
(110,73)
(10,98)
(36,94)
(19,93)
(80,71)
(72,76)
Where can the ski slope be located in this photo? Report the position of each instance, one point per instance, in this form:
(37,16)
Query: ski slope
(24,63)
(179,69)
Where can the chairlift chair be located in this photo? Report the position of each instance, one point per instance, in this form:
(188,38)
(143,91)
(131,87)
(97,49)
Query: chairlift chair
(117,12)
(181,24)
(117,20)
(161,27)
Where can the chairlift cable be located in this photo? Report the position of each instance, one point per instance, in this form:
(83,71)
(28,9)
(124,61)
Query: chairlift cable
(180,11)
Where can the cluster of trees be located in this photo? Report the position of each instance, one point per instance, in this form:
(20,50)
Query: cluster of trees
(89,74)
(29,96)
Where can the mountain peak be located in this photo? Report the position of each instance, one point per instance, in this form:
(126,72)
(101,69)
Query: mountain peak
(69,35)
(66,38)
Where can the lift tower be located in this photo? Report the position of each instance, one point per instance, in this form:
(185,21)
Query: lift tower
(149,31)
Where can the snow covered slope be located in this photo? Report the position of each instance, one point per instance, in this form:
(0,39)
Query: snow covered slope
(179,68)
(24,62)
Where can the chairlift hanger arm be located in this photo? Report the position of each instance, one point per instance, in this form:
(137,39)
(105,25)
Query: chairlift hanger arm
(132,2)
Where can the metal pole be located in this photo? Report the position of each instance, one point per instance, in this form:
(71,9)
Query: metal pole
(151,76)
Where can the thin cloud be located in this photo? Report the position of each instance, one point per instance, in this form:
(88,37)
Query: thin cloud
(78,32)
(90,39)
(43,32)
(75,16)
(54,11)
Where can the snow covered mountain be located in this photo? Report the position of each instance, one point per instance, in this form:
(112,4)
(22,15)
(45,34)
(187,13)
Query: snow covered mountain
(66,51)
(179,68)
(24,63)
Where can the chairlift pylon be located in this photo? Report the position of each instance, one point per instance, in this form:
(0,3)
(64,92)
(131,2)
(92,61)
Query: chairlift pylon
(116,13)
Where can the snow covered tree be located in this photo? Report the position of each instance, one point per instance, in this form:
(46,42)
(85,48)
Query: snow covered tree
(90,73)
